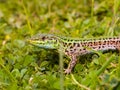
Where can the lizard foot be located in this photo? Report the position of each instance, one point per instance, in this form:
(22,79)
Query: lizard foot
(67,71)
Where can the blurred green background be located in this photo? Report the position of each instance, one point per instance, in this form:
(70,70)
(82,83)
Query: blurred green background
(24,67)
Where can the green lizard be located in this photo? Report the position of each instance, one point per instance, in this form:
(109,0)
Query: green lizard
(74,47)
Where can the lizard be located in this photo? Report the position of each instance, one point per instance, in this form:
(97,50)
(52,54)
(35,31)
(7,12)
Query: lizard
(74,47)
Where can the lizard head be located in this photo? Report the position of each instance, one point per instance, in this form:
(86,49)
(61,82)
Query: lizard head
(47,41)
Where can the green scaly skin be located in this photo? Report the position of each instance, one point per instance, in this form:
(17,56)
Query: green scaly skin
(74,47)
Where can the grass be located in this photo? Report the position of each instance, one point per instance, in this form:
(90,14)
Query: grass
(25,67)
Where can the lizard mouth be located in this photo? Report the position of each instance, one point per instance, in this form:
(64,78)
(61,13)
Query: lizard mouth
(28,40)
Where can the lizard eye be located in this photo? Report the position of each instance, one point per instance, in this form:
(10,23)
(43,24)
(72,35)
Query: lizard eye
(43,38)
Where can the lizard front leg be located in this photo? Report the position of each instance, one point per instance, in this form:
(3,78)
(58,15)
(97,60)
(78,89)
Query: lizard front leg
(71,64)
